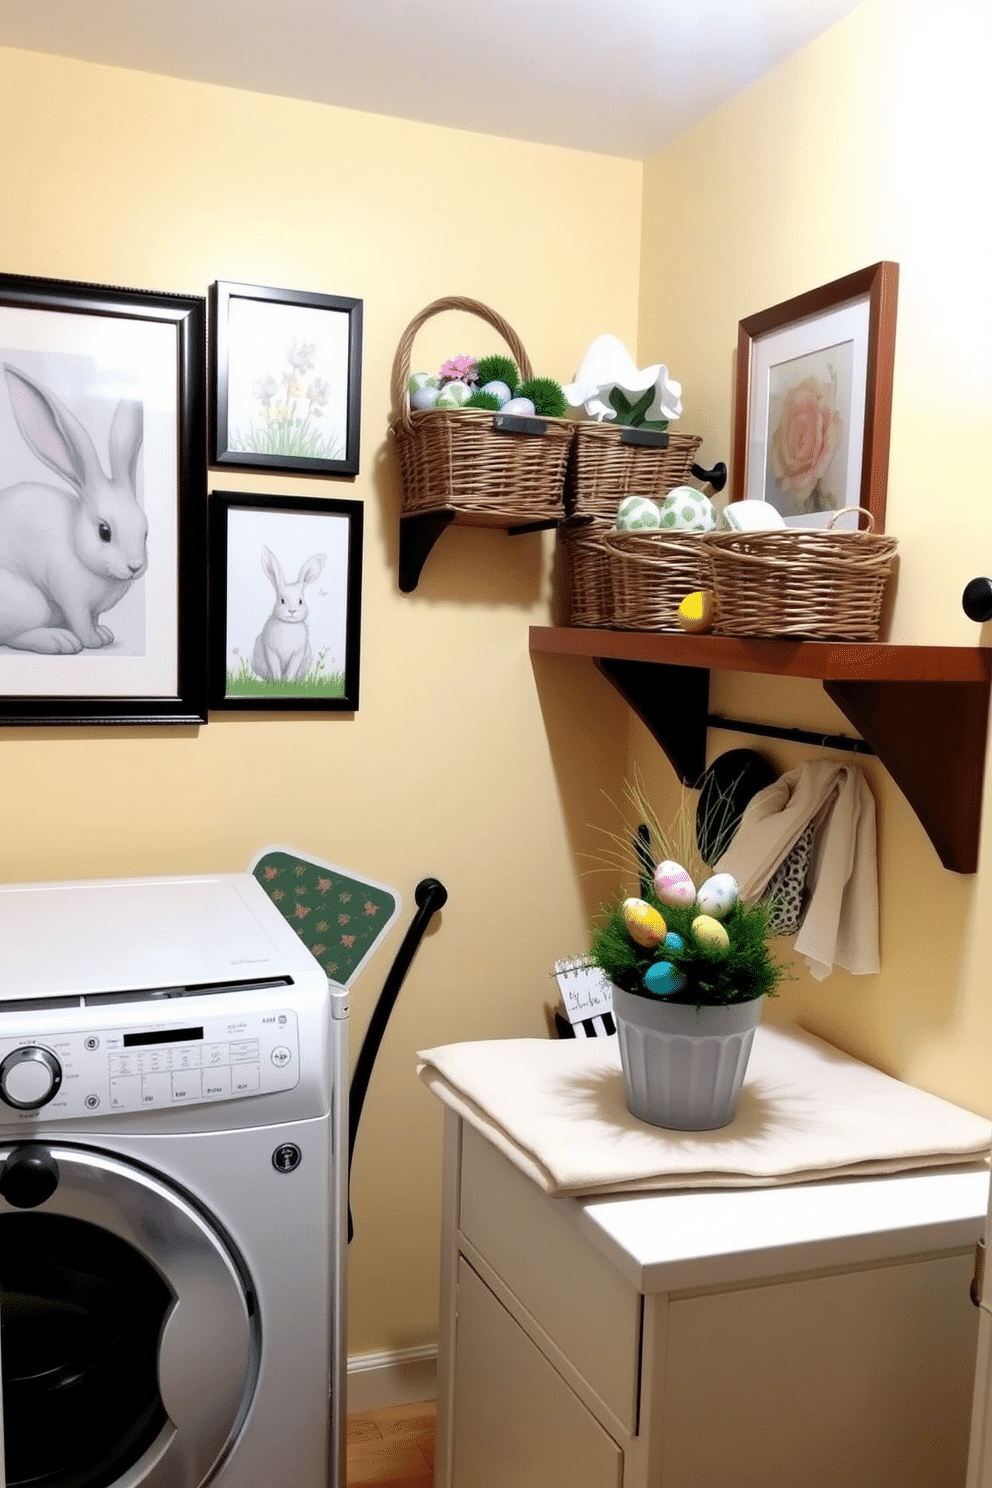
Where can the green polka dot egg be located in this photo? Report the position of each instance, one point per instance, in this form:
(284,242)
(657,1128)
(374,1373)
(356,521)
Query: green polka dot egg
(687,510)
(637,513)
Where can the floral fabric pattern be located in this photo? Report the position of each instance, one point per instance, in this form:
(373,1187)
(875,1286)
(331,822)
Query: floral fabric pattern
(338,918)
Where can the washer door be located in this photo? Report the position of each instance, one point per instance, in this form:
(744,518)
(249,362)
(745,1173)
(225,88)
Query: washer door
(129,1348)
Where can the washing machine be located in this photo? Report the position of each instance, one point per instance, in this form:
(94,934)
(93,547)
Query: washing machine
(172,1190)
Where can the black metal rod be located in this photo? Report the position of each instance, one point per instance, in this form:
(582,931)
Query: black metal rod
(430,895)
(797,735)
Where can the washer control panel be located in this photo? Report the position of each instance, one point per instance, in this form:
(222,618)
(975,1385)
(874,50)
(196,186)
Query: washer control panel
(110,1071)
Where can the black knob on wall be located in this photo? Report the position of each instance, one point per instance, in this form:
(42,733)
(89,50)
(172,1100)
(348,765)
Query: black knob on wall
(29,1176)
(976,601)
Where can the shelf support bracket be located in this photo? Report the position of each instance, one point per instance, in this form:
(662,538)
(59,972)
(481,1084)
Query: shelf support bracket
(941,771)
(672,702)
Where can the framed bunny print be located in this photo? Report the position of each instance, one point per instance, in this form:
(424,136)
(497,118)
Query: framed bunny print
(102,504)
(285,602)
(286,376)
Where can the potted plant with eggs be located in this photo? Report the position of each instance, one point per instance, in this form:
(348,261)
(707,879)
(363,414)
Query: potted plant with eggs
(690,968)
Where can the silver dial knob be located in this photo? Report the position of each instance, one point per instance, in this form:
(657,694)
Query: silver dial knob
(29,1077)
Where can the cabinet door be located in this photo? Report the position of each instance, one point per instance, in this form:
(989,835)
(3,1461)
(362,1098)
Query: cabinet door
(860,1379)
(516,1423)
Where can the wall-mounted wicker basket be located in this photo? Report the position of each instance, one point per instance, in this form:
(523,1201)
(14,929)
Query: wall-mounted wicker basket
(608,463)
(490,469)
(809,582)
(652,572)
(586,572)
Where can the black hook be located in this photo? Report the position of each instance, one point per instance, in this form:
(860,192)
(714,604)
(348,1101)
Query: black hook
(717,477)
(976,601)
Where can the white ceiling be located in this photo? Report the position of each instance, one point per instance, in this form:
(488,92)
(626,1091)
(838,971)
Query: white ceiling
(617,76)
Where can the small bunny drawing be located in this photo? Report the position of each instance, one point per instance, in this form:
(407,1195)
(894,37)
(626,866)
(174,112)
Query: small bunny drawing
(282,648)
(67,556)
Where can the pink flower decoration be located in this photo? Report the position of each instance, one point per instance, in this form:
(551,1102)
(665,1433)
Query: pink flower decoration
(806,438)
(460,369)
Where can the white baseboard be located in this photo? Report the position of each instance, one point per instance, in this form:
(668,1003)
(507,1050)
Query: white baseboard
(394,1377)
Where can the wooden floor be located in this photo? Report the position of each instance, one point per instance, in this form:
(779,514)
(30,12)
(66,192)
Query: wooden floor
(392,1447)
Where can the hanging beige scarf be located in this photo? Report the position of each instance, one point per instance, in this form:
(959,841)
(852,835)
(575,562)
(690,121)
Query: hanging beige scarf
(841,922)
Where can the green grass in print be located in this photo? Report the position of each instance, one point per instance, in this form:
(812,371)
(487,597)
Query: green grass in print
(317,683)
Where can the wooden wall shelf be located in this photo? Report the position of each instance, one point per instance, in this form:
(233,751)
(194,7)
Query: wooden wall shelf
(923,709)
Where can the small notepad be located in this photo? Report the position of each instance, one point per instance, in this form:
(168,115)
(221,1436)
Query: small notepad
(585,990)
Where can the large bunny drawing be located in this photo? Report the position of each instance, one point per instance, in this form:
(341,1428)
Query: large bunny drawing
(282,648)
(67,556)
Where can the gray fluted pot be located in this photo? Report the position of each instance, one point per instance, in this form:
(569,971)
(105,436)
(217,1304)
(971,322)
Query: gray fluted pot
(683,1067)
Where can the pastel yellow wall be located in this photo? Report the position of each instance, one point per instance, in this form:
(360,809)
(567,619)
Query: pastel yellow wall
(122,178)
(873,143)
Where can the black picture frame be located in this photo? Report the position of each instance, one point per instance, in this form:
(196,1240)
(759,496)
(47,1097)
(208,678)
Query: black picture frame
(255,604)
(286,379)
(109,384)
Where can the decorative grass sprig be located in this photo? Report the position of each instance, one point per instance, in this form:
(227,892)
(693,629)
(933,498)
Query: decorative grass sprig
(740,974)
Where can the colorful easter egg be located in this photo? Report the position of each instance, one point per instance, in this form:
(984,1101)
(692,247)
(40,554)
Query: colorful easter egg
(425,397)
(454,395)
(522,407)
(636,513)
(673,885)
(687,510)
(644,924)
(499,390)
(673,941)
(711,935)
(718,895)
(697,611)
(662,979)
(420,380)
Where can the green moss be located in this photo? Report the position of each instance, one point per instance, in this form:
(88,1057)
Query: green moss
(745,972)
(546,395)
(499,369)
(483,400)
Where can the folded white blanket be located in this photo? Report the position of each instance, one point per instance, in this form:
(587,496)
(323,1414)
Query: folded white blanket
(556,1108)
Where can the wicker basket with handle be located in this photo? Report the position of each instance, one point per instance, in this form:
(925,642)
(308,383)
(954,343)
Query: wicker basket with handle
(479,463)
(652,571)
(809,582)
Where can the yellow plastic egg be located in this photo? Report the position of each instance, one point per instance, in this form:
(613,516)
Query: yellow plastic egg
(644,924)
(711,935)
(697,610)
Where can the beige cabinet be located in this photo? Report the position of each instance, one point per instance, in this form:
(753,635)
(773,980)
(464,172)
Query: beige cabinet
(805,1337)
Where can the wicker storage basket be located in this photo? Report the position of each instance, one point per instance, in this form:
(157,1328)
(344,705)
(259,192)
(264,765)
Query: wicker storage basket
(604,468)
(652,572)
(459,459)
(816,583)
(586,572)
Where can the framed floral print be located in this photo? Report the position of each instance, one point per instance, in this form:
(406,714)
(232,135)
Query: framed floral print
(286,372)
(814,401)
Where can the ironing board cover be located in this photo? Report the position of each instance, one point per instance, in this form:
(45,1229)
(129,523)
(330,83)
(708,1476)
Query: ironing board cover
(339,916)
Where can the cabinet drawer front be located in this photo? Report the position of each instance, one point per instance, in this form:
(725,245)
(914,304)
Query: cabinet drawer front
(584,1306)
(515,1419)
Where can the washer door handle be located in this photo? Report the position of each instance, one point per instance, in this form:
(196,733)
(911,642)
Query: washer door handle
(29,1176)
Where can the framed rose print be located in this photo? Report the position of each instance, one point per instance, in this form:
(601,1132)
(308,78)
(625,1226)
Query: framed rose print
(814,401)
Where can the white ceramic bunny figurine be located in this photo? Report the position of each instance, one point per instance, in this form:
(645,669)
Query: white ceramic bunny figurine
(282,649)
(66,556)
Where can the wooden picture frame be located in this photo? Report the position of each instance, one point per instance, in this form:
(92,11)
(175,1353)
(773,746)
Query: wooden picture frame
(286,379)
(102,504)
(285,602)
(814,401)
